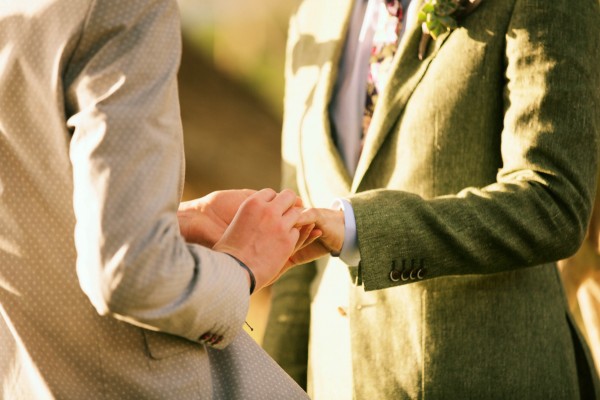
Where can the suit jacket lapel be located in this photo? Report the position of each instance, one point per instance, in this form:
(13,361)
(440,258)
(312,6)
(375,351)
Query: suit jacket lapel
(338,18)
(405,76)
(334,15)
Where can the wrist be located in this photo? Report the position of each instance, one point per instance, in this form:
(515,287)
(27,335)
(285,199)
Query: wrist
(339,222)
(251,277)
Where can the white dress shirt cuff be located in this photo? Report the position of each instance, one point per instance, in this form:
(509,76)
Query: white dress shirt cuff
(349,253)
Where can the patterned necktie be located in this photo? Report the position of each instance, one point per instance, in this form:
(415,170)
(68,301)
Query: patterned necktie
(385,43)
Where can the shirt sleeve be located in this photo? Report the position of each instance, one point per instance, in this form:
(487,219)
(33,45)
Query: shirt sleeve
(127,156)
(350,253)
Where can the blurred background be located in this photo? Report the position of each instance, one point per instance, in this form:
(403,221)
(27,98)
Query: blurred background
(231,93)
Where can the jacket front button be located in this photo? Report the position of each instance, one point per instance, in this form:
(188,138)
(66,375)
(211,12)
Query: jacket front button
(395,275)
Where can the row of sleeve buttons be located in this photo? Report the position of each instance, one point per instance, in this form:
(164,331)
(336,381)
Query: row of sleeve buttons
(210,339)
(405,272)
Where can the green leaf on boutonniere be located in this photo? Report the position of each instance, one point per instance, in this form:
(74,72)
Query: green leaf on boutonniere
(440,16)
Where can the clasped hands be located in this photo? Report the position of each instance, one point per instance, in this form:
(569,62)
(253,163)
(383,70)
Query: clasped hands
(270,232)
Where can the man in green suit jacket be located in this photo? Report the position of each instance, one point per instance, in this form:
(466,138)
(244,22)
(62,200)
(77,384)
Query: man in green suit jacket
(477,174)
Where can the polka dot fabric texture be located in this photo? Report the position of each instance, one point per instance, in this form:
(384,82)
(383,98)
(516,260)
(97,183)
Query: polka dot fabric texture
(100,297)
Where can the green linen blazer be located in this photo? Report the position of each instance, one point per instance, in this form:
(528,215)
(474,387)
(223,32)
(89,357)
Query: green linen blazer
(477,174)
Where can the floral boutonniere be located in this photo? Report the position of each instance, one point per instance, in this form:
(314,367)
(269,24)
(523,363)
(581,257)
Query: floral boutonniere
(441,16)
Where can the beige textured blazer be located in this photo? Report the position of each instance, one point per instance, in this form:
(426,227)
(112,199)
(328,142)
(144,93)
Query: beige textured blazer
(91,171)
(478,172)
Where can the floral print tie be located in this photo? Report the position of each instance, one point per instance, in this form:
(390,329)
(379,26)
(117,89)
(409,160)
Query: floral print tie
(385,43)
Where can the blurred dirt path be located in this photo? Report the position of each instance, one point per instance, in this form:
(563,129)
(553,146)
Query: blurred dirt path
(231,139)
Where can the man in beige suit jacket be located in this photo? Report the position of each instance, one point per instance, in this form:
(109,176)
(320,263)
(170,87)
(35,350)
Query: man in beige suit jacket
(91,172)
(477,174)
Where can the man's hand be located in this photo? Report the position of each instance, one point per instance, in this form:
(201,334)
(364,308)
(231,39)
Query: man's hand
(326,236)
(330,228)
(204,220)
(318,232)
(265,232)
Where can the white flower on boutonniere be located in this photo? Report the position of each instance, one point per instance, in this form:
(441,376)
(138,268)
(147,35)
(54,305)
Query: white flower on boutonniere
(440,16)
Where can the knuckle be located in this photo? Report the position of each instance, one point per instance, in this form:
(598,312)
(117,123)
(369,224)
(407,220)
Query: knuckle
(252,203)
(269,191)
(288,192)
